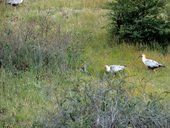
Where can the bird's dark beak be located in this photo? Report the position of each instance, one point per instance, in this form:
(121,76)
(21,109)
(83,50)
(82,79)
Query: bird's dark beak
(139,56)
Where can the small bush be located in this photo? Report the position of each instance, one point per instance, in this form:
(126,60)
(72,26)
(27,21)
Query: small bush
(29,43)
(106,104)
(140,21)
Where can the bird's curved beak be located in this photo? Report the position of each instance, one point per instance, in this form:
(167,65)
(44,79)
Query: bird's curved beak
(139,56)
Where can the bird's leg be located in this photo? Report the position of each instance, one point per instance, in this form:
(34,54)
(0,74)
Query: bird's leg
(154,70)
(124,73)
(114,75)
(149,70)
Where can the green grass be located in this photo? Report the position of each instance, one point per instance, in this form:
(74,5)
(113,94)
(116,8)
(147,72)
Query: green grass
(28,97)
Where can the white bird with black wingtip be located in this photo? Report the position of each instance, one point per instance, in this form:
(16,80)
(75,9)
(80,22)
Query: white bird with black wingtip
(151,64)
(15,2)
(114,68)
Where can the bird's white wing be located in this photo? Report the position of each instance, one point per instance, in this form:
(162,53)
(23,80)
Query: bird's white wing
(15,1)
(151,63)
(9,1)
(117,68)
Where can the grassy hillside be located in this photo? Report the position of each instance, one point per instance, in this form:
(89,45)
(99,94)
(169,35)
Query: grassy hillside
(43,46)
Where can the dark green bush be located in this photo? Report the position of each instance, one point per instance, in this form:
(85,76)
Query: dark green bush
(142,21)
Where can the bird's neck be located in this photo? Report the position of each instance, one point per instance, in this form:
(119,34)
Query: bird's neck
(107,68)
(143,59)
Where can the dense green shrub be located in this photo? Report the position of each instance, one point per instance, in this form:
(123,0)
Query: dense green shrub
(142,21)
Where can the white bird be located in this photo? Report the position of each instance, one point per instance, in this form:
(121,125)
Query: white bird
(15,2)
(151,64)
(114,68)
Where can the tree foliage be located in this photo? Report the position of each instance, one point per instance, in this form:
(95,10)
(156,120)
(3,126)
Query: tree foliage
(144,21)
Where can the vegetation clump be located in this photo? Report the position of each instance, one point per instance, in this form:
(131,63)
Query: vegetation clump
(106,104)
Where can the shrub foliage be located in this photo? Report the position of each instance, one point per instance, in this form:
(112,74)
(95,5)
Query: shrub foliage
(143,21)
(37,43)
(106,104)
